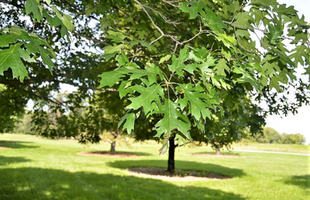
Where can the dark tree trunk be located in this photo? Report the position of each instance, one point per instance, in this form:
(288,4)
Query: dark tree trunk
(172,146)
(112,149)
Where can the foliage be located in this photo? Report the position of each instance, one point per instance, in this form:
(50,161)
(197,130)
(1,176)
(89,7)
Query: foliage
(11,109)
(270,136)
(175,62)
(181,76)
(24,125)
(293,138)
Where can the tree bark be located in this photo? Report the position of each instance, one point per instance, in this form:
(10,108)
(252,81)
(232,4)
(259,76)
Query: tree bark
(172,146)
(113,145)
(218,151)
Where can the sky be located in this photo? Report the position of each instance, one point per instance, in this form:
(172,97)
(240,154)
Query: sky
(294,123)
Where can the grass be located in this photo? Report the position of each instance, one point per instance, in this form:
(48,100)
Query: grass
(37,168)
(292,148)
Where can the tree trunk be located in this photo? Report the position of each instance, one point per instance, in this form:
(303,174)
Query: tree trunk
(172,146)
(112,149)
(218,151)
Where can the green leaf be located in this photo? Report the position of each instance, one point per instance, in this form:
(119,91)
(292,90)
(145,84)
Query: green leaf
(285,10)
(67,21)
(38,45)
(178,63)
(113,49)
(11,58)
(32,6)
(173,120)
(198,101)
(165,58)
(6,39)
(221,67)
(112,77)
(128,122)
(243,19)
(300,52)
(151,71)
(264,3)
(274,33)
(246,77)
(208,17)
(148,96)
(122,59)
(205,66)
(193,8)
(145,44)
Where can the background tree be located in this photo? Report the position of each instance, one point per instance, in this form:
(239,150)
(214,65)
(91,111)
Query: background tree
(293,138)
(172,60)
(11,109)
(24,125)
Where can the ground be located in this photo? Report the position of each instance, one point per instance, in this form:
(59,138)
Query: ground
(160,173)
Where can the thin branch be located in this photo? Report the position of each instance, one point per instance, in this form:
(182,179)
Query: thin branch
(162,16)
(171,3)
(245,27)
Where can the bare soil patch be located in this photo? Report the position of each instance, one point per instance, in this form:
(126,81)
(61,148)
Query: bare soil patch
(179,175)
(2,141)
(107,154)
(5,147)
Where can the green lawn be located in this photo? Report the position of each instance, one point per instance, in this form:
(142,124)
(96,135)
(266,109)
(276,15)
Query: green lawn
(36,168)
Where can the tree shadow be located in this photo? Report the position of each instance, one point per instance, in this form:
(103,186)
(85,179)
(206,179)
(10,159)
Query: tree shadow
(117,153)
(302,181)
(37,183)
(180,165)
(17,144)
(9,160)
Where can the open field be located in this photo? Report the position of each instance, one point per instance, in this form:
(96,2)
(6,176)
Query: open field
(37,168)
(292,148)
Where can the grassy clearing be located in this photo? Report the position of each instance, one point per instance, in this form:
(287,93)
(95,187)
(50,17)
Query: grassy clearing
(36,168)
(292,148)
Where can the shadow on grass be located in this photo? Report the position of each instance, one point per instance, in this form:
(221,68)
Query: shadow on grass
(301,181)
(37,183)
(180,165)
(16,144)
(124,153)
(9,160)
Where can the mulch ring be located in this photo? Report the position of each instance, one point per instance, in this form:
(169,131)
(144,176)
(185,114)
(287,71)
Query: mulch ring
(2,141)
(107,154)
(179,175)
(5,147)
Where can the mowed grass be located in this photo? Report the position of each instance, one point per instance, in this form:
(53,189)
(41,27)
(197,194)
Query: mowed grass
(38,168)
(292,148)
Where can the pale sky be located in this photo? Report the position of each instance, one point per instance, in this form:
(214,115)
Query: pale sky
(294,123)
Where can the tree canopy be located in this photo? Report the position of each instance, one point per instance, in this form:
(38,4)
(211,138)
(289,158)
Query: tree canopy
(189,65)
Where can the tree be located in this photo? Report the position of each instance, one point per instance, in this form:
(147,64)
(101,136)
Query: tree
(174,61)
(11,109)
(293,138)
(24,125)
(269,136)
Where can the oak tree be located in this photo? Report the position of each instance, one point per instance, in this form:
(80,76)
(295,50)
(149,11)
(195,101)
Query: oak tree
(174,61)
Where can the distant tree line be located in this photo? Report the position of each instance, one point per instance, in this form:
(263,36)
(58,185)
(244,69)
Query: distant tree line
(271,136)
